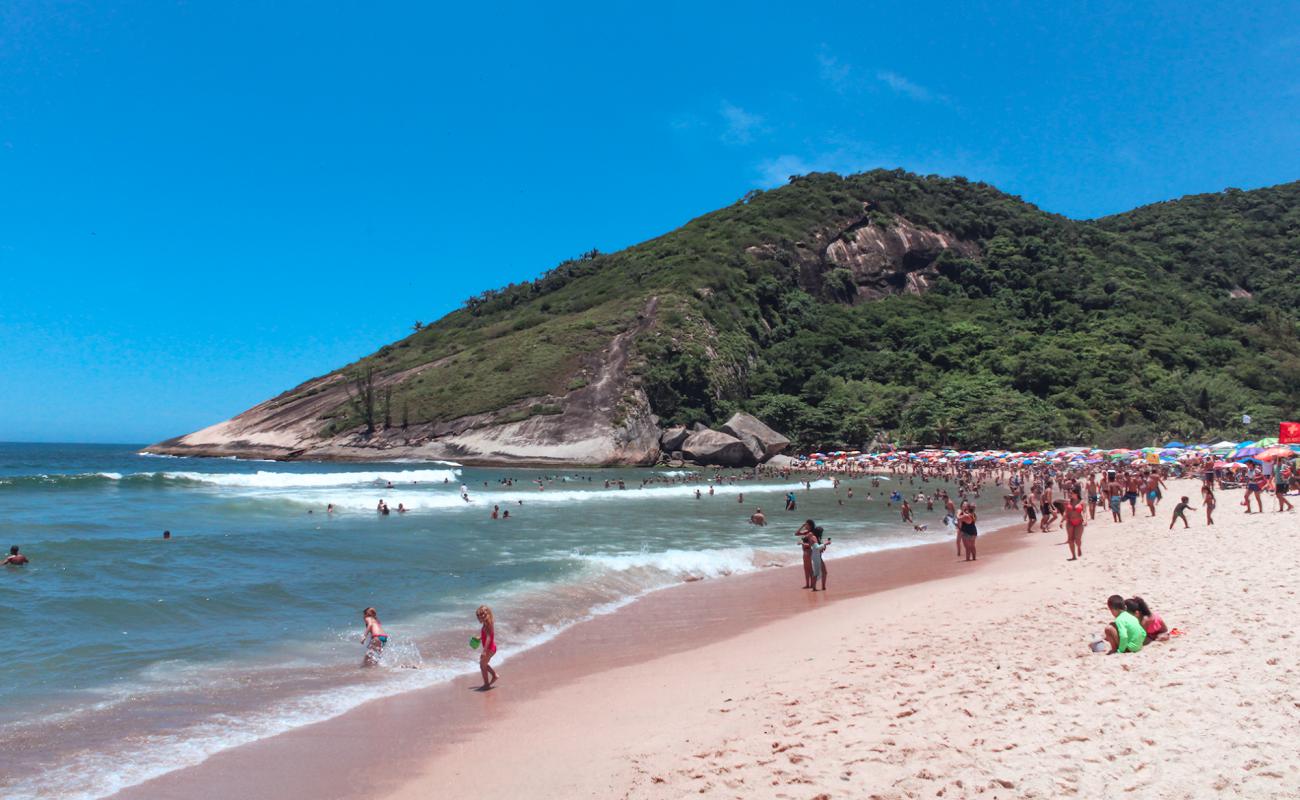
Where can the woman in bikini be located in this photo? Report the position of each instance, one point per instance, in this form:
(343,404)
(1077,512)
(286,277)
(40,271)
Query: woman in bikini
(804,535)
(1074,522)
(374,638)
(488,638)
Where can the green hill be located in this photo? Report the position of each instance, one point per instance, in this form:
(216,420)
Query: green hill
(885,306)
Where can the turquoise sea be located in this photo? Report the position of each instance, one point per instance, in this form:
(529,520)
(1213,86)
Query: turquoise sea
(129,656)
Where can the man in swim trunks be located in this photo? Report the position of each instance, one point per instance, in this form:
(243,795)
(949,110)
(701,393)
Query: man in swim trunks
(1094,495)
(1114,498)
(1153,492)
(1132,483)
(14,559)
(1281,485)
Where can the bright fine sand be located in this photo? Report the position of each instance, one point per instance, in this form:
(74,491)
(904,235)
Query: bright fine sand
(977,683)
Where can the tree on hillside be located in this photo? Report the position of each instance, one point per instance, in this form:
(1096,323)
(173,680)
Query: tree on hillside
(361,396)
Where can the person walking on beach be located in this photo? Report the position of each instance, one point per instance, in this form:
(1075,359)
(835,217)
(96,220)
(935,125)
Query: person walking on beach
(1153,492)
(818,565)
(966,525)
(1115,498)
(1281,485)
(1208,501)
(374,638)
(487,636)
(14,559)
(1094,495)
(1180,513)
(1253,486)
(804,535)
(1074,524)
(1031,514)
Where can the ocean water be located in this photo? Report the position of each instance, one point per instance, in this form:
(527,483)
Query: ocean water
(128,656)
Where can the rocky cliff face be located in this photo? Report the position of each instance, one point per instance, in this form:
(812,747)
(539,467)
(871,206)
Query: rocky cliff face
(869,258)
(606,422)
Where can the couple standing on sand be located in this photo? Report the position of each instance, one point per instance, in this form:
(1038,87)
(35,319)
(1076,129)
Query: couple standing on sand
(810,538)
(375,637)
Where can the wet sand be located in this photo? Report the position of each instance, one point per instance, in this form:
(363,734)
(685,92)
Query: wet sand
(382,746)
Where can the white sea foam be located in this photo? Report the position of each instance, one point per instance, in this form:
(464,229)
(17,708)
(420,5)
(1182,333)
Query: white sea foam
(425,498)
(266,479)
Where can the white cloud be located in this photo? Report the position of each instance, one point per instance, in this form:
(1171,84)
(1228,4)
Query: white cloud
(903,86)
(741,125)
(833,71)
(774,172)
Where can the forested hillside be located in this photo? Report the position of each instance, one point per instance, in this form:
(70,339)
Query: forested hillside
(885,307)
(1171,320)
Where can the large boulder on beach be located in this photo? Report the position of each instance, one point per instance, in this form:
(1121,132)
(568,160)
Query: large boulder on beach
(761,440)
(672,439)
(716,449)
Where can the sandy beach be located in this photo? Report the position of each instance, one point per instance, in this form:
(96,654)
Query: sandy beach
(975,685)
(917,675)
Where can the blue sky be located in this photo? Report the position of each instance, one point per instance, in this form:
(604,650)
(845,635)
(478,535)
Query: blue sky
(205,203)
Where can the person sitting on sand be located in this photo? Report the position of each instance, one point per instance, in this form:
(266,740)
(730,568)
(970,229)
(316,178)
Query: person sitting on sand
(488,639)
(757,518)
(14,559)
(1180,512)
(1125,634)
(374,638)
(1151,622)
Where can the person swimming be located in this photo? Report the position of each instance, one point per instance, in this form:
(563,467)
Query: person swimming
(15,558)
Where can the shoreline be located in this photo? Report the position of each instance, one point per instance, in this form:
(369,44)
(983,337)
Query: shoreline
(436,718)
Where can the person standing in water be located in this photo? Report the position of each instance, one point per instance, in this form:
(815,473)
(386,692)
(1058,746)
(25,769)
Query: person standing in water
(487,636)
(818,547)
(14,559)
(804,535)
(374,638)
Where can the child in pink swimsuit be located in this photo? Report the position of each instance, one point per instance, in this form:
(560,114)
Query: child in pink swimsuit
(488,638)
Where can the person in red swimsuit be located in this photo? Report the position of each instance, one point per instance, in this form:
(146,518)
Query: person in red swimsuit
(488,638)
(1074,523)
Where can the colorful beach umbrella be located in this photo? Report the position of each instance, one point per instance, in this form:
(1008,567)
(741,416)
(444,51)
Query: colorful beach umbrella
(1275,452)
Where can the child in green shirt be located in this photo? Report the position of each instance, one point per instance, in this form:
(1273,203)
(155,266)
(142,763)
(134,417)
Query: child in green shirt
(1125,634)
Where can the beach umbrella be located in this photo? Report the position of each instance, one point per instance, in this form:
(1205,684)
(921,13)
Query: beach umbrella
(1267,441)
(1247,451)
(1178,445)
(1274,453)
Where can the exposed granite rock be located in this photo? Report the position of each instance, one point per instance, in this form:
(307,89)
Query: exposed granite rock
(672,438)
(606,422)
(713,448)
(761,440)
(882,258)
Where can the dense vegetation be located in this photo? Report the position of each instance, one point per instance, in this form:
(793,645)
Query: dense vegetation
(1168,321)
